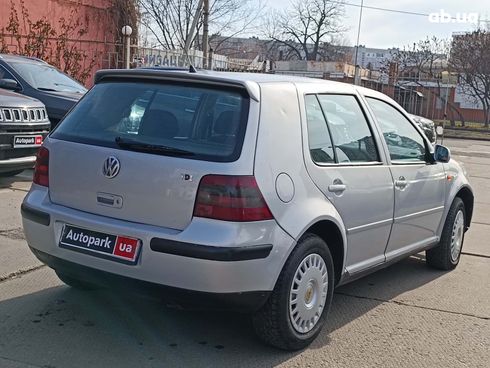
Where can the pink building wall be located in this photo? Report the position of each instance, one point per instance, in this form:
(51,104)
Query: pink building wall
(95,14)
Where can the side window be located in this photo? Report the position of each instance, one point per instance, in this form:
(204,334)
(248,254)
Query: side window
(321,148)
(352,138)
(5,74)
(404,141)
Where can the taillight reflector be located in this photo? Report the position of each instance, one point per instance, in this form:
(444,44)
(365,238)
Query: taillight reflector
(41,170)
(231,198)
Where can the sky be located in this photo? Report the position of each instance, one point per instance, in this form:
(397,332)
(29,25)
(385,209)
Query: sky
(383,29)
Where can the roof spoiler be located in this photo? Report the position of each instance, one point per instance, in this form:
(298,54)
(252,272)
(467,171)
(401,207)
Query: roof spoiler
(199,77)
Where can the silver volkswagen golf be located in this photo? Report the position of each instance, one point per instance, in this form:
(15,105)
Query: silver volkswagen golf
(246,191)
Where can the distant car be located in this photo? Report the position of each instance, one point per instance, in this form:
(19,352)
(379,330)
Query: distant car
(251,191)
(35,78)
(23,126)
(427,126)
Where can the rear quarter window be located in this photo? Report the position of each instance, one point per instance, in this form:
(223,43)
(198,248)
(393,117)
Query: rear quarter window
(209,122)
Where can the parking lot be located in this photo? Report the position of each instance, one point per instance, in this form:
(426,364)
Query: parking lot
(407,315)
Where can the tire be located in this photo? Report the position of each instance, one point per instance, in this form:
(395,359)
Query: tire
(75,282)
(10,173)
(446,255)
(275,322)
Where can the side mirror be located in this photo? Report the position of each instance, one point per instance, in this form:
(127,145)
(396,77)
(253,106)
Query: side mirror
(9,84)
(441,153)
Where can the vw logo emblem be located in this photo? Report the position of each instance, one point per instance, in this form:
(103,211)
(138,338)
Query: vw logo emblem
(111,167)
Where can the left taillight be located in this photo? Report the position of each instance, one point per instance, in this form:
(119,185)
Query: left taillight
(41,170)
(231,198)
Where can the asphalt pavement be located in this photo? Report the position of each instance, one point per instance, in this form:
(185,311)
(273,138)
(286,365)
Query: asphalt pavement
(407,315)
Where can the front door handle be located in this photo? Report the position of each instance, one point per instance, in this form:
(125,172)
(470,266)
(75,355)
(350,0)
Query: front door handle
(401,183)
(337,186)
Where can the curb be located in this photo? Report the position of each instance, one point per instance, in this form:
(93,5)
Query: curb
(466,134)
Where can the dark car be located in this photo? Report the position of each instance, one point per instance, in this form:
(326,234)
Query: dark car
(427,126)
(35,78)
(23,126)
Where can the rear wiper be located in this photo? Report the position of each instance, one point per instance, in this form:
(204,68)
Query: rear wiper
(151,148)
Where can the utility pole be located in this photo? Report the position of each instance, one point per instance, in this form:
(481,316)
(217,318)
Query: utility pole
(357,79)
(205,34)
(190,35)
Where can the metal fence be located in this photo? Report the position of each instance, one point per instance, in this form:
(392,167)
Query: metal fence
(433,99)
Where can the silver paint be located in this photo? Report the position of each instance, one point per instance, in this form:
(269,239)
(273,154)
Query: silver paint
(383,211)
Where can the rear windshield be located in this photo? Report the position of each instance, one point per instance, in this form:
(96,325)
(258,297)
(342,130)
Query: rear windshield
(207,123)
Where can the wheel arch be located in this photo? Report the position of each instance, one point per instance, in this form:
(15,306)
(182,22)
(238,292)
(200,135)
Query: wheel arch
(466,195)
(330,232)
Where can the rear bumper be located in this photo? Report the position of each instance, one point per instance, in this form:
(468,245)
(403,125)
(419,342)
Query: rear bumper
(209,256)
(244,302)
(21,163)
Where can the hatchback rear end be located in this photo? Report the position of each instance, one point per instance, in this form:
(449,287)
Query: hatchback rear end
(149,182)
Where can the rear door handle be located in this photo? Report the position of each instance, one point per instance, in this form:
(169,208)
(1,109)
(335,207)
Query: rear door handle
(337,188)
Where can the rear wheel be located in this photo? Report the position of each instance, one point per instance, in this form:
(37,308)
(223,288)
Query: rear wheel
(10,173)
(75,282)
(298,306)
(446,255)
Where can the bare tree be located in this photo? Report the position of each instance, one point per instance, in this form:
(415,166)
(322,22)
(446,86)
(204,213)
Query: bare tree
(243,19)
(424,62)
(470,58)
(338,49)
(170,20)
(306,26)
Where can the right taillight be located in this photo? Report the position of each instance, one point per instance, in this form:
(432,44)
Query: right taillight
(231,198)
(41,170)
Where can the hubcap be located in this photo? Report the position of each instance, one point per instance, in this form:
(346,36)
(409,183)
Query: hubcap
(308,293)
(457,236)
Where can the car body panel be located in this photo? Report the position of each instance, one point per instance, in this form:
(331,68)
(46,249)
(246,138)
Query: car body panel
(200,274)
(280,120)
(167,199)
(456,181)
(275,151)
(367,218)
(418,206)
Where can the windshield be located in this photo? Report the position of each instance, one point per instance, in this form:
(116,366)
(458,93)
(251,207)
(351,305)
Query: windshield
(169,119)
(48,78)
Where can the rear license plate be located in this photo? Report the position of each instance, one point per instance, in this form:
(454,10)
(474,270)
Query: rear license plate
(24,141)
(114,247)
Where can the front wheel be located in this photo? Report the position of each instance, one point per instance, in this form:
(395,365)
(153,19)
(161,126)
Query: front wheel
(445,256)
(298,306)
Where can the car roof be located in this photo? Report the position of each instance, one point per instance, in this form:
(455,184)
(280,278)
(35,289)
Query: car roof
(211,74)
(18,58)
(248,80)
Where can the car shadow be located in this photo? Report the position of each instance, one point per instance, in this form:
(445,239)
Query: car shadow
(60,326)
(21,181)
